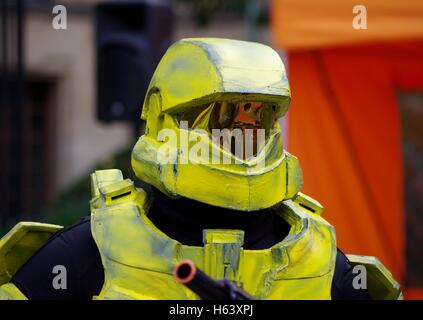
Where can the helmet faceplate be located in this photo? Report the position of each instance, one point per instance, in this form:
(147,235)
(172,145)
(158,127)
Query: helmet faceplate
(196,74)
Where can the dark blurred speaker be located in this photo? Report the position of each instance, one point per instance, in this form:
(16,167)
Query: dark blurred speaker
(131,38)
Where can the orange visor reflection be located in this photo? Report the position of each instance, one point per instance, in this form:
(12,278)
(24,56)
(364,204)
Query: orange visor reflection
(230,115)
(251,122)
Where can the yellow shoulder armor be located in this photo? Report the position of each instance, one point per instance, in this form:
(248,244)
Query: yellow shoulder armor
(108,188)
(9,291)
(19,244)
(381,285)
(308,203)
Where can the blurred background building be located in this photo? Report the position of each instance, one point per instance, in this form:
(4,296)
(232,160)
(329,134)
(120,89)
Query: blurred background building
(53,129)
(70,102)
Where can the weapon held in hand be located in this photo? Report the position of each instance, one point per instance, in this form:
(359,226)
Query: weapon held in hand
(205,287)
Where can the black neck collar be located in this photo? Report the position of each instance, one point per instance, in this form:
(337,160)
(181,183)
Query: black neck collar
(184,220)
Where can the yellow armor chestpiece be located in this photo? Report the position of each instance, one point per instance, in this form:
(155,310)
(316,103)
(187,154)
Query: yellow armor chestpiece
(138,259)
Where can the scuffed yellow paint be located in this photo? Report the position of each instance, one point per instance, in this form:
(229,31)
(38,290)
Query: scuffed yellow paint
(380,283)
(16,247)
(197,71)
(138,259)
(9,291)
(20,243)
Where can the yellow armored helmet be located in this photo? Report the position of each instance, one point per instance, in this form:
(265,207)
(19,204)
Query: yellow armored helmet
(208,103)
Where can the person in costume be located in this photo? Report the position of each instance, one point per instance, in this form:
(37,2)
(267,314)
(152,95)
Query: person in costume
(243,218)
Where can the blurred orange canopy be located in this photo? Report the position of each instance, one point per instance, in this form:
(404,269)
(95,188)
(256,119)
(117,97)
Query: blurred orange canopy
(344,121)
(301,24)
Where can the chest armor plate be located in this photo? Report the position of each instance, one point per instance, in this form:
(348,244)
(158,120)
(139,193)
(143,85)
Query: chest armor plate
(139,259)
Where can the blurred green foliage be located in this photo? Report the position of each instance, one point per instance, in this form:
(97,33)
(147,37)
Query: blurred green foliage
(73,202)
(204,10)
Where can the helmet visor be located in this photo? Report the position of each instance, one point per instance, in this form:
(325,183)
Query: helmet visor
(251,121)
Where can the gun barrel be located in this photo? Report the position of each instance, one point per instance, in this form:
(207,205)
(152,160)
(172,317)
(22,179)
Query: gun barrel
(205,287)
